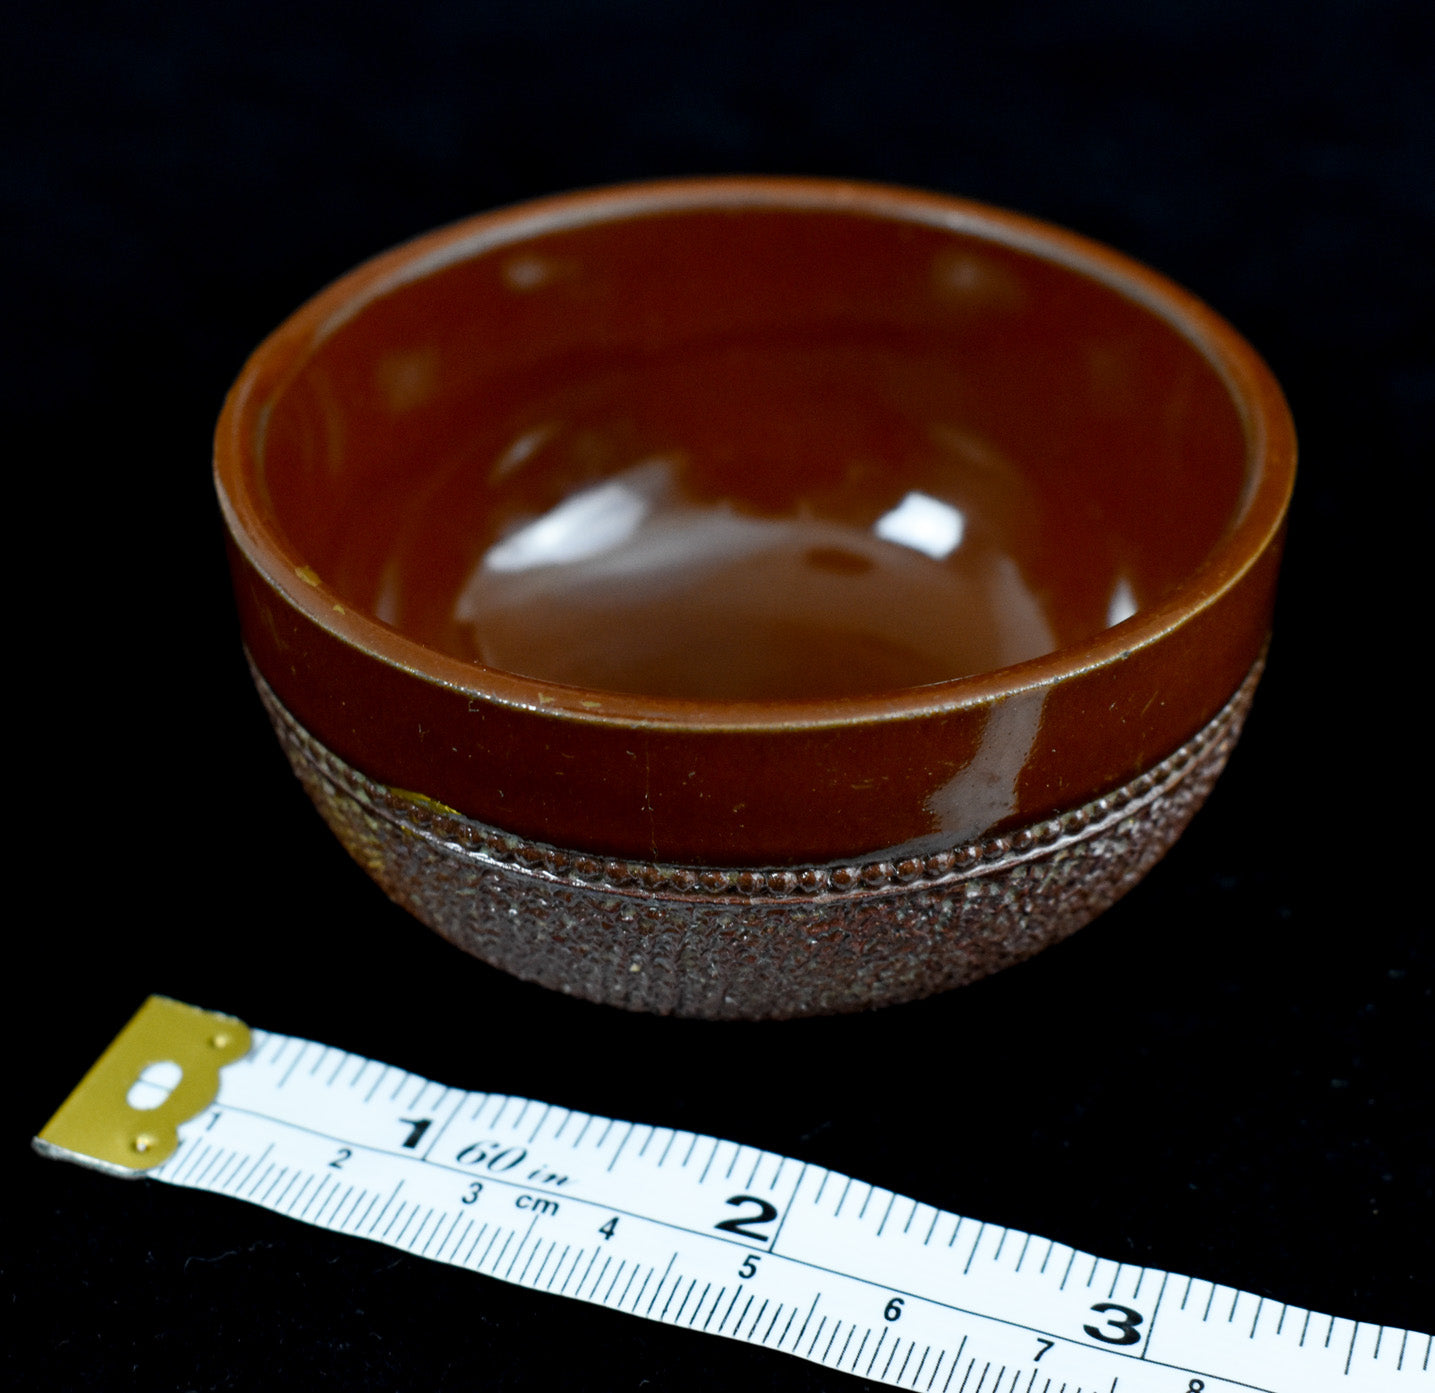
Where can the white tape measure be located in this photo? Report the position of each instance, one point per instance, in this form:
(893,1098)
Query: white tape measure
(683,1228)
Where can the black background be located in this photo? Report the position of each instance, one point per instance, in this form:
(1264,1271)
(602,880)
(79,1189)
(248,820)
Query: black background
(1228,1075)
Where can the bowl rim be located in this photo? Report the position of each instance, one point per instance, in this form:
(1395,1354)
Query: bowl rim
(1261,408)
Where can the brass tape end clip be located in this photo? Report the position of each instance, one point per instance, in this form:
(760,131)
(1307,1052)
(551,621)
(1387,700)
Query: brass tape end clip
(161,1070)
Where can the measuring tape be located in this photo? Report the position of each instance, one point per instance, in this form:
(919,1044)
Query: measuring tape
(684,1229)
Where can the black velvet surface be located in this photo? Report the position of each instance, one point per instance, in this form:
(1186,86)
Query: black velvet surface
(1228,1075)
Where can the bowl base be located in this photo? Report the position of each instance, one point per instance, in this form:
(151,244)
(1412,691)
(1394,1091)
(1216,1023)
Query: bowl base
(764,943)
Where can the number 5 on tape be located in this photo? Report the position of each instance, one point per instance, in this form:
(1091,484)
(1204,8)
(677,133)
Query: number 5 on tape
(684,1229)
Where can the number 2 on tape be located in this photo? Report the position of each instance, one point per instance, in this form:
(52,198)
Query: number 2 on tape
(683,1228)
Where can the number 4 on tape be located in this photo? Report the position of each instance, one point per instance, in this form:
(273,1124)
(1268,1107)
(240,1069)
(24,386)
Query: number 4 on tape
(683,1228)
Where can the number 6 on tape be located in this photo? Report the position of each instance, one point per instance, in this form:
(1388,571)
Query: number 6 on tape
(682,1228)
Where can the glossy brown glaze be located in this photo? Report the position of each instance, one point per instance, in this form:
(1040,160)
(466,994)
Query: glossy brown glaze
(754,522)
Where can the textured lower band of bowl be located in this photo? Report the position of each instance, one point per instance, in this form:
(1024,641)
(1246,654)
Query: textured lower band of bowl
(768,942)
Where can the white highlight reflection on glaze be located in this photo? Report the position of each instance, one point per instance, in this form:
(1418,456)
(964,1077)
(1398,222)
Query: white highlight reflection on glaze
(583,579)
(1122,604)
(587,524)
(978,796)
(521,450)
(925,524)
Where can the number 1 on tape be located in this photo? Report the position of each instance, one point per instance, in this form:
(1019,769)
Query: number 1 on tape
(682,1228)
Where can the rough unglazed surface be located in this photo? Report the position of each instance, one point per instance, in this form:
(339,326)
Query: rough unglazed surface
(762,942)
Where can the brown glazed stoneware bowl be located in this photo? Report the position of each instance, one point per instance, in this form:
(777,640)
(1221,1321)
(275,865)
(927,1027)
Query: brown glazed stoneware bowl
(748,597)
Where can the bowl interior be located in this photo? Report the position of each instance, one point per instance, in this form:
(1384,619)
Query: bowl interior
(775,453)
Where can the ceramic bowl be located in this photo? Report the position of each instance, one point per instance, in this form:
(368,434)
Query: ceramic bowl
(752,598)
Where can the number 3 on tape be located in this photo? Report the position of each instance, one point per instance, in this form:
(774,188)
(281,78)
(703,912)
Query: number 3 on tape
(683,1228)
